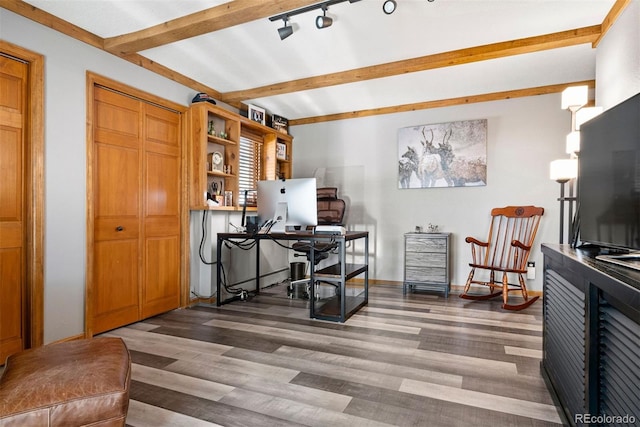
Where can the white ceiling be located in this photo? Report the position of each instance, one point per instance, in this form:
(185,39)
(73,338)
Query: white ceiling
(252,55)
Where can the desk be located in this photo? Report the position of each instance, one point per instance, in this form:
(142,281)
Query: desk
(349,297)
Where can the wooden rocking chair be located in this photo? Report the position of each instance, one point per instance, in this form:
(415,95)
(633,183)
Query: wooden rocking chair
(511,235)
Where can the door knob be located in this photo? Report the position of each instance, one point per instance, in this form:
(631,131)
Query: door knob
(119,228)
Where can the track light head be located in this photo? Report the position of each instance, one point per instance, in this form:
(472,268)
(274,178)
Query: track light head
(323,21)
(389,6)
(285,31)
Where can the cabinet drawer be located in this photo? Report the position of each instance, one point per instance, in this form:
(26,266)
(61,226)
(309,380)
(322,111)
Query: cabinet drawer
(416,259)
(426,245)
(425,274)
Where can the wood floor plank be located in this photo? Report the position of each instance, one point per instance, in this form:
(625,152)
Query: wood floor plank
(181,383)
(168,342)
(148,359)
(203,409)
(439,414)
(508,405)
(287,390)
(444,308)
(449,329)
(412,409)
(377,380)
(342,330)
(524,387)
(296,412)
(459,318)
(316,336)
(370,324)
(370,367)
(145,415)
(526,352)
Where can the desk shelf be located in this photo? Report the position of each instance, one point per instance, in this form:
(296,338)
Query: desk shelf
(332,272)
(329,309)
(350,294)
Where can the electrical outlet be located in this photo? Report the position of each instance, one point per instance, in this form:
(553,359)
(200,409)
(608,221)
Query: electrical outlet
(531,270)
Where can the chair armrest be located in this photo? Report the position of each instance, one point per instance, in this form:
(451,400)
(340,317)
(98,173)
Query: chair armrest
(519,244)
(476,242)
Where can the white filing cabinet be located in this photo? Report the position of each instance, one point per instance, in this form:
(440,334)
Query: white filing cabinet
(427,262)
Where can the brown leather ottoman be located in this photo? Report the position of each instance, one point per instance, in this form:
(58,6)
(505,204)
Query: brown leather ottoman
(74,383)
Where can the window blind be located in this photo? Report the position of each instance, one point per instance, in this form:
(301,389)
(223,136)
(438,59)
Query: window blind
(250,168)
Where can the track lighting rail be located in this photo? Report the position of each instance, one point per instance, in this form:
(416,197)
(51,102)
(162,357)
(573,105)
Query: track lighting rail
(323,5)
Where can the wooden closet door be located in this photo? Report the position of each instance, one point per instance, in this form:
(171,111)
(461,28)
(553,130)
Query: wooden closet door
(13,84)
(117,179)
(137,210)
(161,206)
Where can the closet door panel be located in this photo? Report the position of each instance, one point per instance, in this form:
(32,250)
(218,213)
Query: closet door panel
(117,187)
(115,300)
(161,192)
(161,291)
(13,281)
(115,296)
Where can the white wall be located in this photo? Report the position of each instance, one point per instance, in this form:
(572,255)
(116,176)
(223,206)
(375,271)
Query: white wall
(66,64)
(360,157)
(618,59)
(239,264)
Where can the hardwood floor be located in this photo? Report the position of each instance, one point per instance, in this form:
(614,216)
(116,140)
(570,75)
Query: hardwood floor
(414,360)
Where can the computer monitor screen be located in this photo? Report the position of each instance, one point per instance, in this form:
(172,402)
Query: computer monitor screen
(290,202)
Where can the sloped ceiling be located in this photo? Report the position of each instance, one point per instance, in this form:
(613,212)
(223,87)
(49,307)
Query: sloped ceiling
(425,54)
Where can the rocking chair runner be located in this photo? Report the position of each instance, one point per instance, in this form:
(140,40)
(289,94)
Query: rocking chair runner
(511,235)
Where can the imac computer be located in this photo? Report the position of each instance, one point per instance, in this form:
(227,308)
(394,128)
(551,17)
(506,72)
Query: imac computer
(288,203)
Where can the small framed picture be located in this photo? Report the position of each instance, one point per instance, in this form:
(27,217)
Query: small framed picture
(256,114)
(281,151)
(280,124)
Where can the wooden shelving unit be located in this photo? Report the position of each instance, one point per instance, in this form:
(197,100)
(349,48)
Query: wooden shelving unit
(214,129)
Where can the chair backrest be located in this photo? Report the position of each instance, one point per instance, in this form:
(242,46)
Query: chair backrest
(513,230)
(331,209)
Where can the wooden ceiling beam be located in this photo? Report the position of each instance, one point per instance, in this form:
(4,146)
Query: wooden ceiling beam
(463,100)
(206,21)
(616,10)
(429,62)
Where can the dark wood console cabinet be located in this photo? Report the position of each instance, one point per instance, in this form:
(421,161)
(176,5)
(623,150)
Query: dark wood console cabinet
(591,338)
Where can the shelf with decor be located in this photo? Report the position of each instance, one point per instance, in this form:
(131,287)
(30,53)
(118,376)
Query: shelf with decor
(214,155)
(278,155)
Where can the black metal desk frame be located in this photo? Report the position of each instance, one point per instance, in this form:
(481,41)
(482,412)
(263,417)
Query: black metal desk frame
(338,273)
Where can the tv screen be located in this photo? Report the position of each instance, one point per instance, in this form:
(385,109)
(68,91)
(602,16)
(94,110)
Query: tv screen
(609,178)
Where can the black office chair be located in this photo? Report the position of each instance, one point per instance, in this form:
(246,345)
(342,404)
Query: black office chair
(331,211)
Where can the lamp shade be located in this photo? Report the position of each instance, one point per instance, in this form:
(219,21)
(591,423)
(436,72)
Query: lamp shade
(573,142)
(285,32)
(563,170)
(575,97)
(583,115)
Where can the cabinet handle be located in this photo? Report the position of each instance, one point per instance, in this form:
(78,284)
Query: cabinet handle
(119,228)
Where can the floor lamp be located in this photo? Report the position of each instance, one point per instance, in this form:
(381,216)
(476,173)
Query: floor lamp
(565,171)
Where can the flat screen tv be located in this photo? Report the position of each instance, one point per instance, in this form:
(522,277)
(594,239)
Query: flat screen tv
(609,179)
